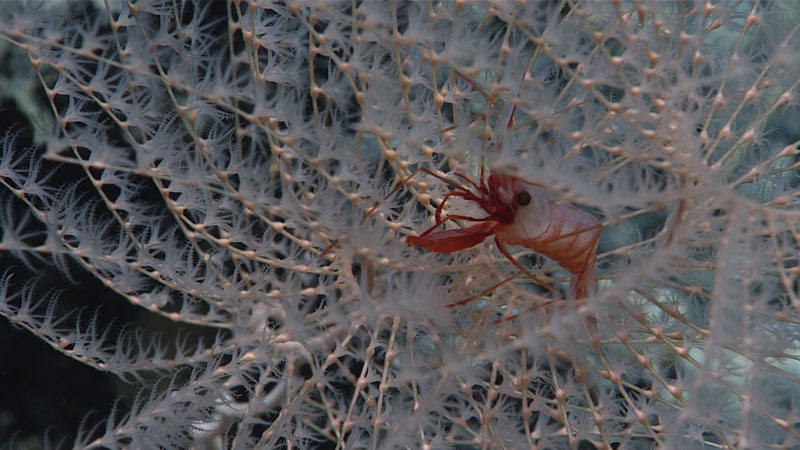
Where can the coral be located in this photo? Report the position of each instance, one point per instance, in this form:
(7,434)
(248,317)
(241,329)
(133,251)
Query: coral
(249,168)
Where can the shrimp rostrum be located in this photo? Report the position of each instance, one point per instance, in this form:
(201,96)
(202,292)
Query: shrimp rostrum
(518,213)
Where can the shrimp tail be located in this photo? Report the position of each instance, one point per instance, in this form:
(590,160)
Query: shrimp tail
(583,284)
(584,279)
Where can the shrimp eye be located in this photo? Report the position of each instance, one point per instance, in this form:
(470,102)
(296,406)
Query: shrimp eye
(523,198)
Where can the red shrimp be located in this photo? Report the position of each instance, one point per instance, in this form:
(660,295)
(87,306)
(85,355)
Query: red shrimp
(519,214)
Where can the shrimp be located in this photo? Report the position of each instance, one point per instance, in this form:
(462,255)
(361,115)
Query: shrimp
(519,214)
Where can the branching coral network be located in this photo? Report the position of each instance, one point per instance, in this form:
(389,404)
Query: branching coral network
(246,168)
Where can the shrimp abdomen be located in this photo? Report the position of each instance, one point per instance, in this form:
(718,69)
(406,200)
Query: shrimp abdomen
(570,239)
